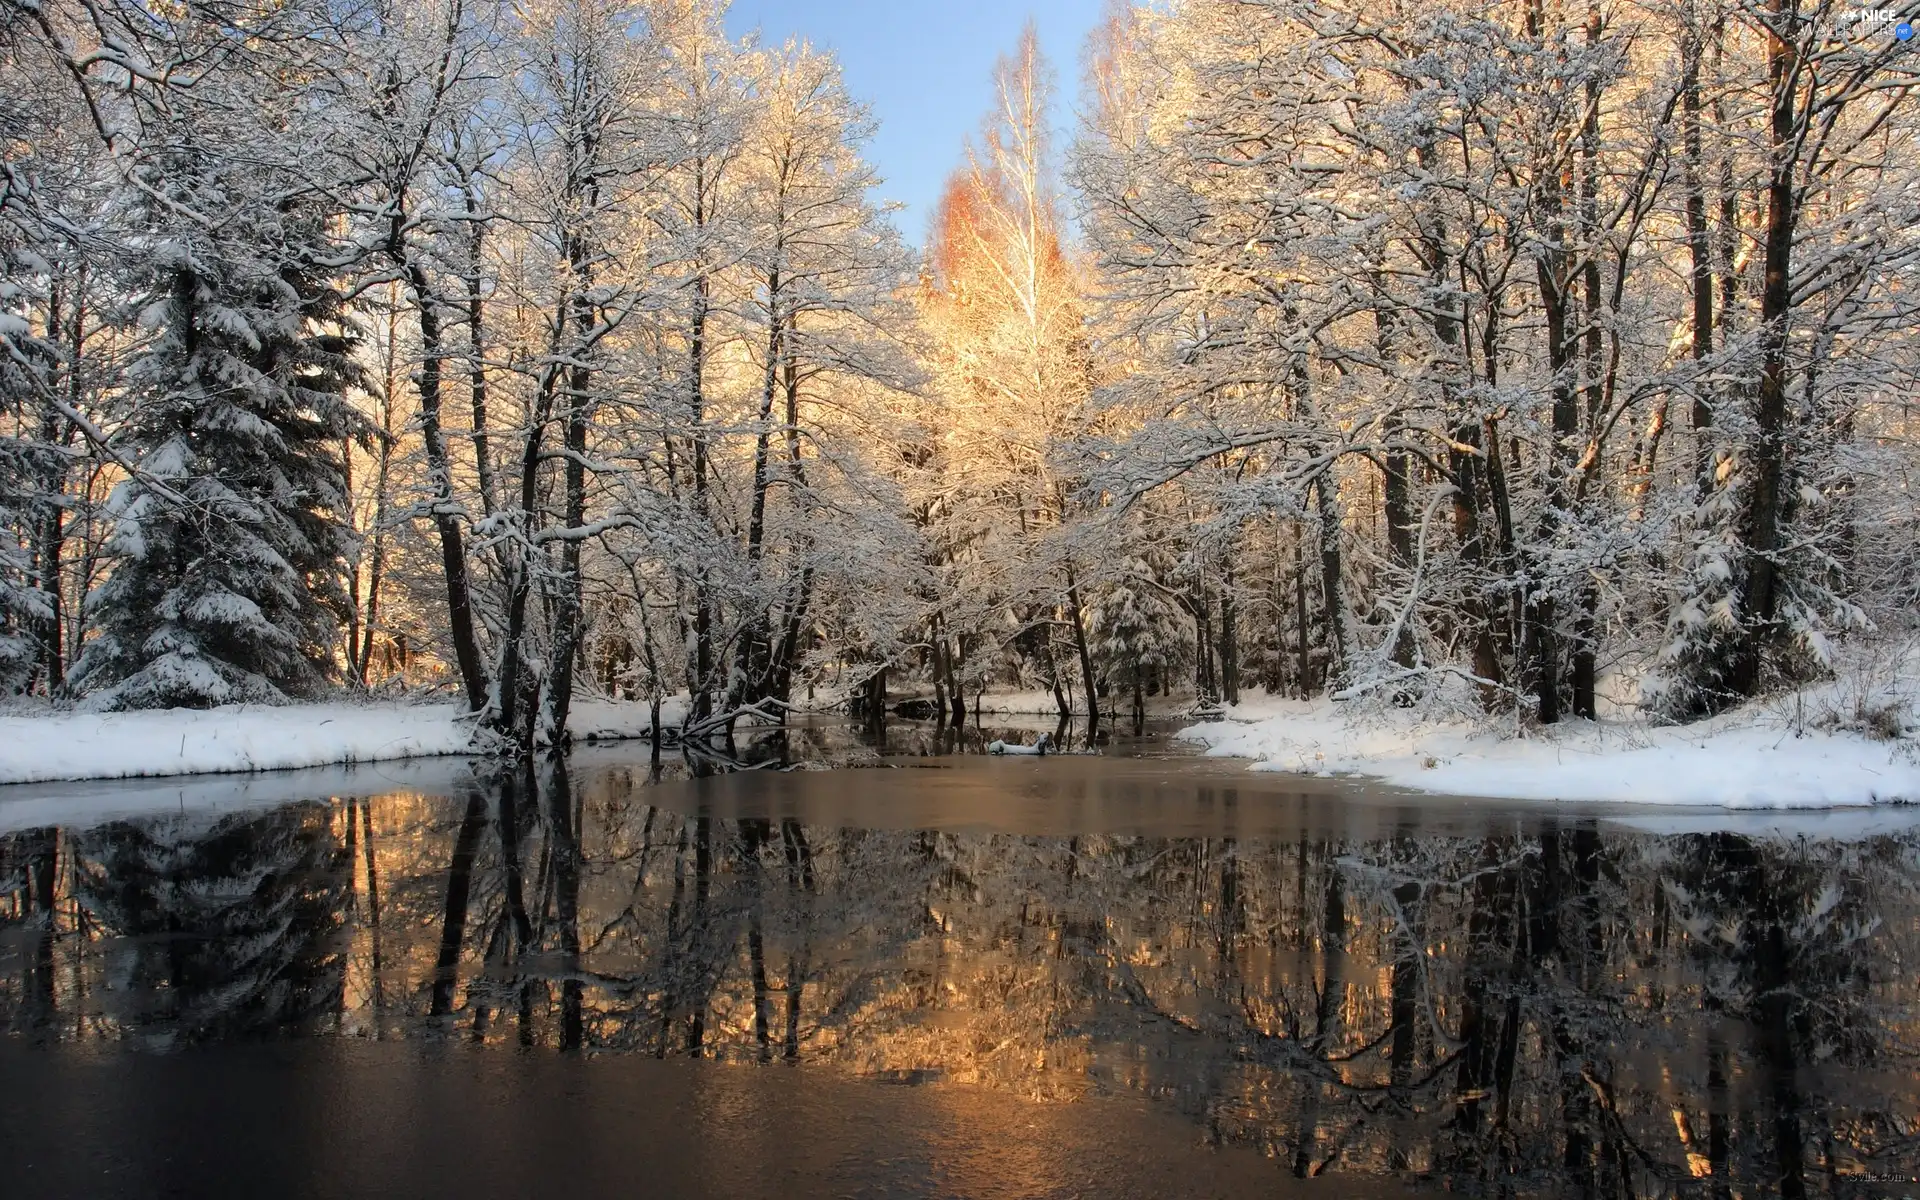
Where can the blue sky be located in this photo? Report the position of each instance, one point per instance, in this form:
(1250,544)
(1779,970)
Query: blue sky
(925,69)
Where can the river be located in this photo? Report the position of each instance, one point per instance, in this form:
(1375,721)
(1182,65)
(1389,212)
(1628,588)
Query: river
(878,968)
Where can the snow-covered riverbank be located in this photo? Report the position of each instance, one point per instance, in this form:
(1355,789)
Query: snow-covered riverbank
(1760,757)
(50,746)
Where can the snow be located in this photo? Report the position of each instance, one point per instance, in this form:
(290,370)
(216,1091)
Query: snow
(239,737)
(1754,758)
(247,737)
(1040,747)
(612,720)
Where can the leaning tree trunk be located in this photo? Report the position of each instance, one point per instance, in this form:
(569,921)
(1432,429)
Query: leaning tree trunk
(446,521)
(377,555)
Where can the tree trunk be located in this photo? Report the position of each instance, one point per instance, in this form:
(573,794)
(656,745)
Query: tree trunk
(1304,665)
(1204,680)
(1766,455)
(1467,471)
(801,598)
(790,641)
(453,552)
(756,647)
(584,317)
(50,531)
(1085,654)
(476,347)
(519,689)
(1398,503)
(955,691)
(377,556)
(1542,642)
(1333,589)
(570,618)
(1699,252)
(1229,639)
(700,667)
(1583,668)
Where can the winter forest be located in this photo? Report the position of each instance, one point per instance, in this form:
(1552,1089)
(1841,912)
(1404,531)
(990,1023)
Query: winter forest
(1517,359)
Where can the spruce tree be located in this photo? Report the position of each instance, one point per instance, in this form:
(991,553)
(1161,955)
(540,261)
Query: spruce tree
(1139,634)
(232,551)
(25,362)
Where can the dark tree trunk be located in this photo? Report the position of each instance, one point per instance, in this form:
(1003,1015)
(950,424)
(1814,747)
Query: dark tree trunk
(477,347)
(1332,586)
(756,649)
(519,690)
(1398,503)
(1541,662)
(1766,455)
(1229,639)
(1085,654)
(1468,494)
(700,669)
(1583,670)
(1699,252)
(956,694)
(570,617)
(802,595)
(51,529)
(446,521)
(377,555)
(1542,641)
(1204,680)
(1502,508)
(1302,646)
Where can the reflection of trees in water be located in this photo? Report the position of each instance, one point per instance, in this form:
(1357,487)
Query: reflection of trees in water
(1533,1009)
(179,928)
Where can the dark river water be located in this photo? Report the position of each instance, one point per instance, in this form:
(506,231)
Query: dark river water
(939,974)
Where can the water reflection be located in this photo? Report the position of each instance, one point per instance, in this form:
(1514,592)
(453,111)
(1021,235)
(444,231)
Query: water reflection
(1497,1003)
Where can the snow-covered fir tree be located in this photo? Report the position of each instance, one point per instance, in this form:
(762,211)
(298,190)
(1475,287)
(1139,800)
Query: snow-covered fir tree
(25,362)
(229,580)
(1141,637)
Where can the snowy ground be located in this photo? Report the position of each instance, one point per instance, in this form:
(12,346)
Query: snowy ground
(71,745)
(1765,756)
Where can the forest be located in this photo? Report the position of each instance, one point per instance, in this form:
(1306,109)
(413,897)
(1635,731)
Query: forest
(1515,359)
